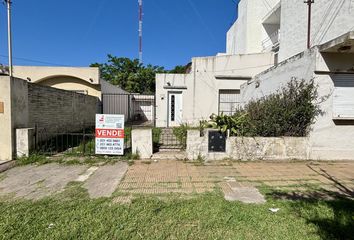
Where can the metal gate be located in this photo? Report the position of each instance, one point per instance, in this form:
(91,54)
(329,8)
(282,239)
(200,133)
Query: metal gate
(57,140)
(138,109)
(169,139)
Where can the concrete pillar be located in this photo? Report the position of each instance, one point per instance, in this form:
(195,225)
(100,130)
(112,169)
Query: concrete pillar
(14,114)
(5,119)
(142,142)
(197,146)
(24,141)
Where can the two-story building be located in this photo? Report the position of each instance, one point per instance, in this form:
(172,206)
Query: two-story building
(267,48)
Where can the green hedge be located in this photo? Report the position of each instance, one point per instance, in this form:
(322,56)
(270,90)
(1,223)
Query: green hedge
(289,112)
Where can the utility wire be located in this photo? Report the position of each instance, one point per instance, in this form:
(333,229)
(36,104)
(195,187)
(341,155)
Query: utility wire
(36,61)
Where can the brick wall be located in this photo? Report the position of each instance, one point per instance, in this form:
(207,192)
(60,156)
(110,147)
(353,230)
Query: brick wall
(51,108)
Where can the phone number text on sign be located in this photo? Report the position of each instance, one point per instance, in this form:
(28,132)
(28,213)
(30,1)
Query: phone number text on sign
(109,134)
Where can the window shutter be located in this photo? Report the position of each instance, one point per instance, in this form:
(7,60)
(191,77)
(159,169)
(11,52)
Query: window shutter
(343,98)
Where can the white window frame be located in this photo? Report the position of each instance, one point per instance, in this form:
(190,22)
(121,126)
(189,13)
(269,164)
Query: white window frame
(343,97)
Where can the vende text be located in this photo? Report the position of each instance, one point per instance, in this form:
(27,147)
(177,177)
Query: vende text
(109,133)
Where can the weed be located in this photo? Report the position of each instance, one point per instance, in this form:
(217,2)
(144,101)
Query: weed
(33,159)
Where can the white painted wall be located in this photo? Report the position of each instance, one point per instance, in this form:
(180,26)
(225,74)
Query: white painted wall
(200,88)
(328,140)
(247,33)
(330,19)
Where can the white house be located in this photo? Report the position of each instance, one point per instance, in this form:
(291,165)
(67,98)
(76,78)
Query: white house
(267,32)
(330,62)
(212,86)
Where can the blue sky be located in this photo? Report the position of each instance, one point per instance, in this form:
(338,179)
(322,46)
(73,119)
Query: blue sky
(80,32)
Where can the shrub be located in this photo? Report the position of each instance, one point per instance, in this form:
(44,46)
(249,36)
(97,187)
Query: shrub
(289,112)
(181,134)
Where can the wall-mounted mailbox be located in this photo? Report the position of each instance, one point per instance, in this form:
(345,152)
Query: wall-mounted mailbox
(1,107)
(216,141)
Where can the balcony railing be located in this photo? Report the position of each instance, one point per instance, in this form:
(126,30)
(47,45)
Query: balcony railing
(271,41)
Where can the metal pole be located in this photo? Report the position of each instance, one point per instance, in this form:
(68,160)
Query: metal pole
(141,31)
(309,3)
(9,35)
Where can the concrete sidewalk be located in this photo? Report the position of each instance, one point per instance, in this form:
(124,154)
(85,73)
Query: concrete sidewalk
(36,182)
(237,180)
(180,177)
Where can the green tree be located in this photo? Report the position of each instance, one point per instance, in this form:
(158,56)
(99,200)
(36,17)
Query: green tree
(128,74)
(180,69)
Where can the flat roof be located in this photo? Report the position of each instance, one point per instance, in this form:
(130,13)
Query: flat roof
(342,44)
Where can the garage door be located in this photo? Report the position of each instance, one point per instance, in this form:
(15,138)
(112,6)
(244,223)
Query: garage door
(343,99)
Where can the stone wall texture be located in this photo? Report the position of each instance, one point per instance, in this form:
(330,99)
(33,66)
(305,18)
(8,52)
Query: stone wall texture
(246,148)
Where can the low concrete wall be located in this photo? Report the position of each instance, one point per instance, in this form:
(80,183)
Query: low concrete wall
(24,141)
(245,148)
(142,143)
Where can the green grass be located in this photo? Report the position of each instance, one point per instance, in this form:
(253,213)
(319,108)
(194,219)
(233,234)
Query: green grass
(68,159)
(206,216)
(33,158)
(156,134)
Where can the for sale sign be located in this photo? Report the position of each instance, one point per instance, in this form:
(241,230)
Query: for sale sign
(109,134)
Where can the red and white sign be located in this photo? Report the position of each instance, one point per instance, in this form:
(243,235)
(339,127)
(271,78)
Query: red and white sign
(109,134)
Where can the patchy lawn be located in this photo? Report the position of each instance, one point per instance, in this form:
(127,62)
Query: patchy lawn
(72,215)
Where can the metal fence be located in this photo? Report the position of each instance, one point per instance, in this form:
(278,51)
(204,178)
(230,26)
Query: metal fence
(59,141)
(139,110)
(165,138)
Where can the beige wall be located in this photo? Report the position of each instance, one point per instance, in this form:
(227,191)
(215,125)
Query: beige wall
(67,78)
(39,73)
(27,104)
(13,92)
(72,84)
(5,119)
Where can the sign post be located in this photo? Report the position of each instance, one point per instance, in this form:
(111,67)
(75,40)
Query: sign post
(109,134)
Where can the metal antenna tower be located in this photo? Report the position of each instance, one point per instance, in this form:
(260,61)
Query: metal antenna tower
(140,31)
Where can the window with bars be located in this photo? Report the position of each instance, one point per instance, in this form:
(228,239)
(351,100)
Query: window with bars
(229,101)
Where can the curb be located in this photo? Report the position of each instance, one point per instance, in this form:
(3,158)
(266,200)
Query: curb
(7,165)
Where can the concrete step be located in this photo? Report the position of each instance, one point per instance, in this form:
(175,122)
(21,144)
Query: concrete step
(169,155)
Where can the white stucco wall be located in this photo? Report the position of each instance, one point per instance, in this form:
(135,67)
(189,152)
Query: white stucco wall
(200,88)
(328,140)
(330,19)
(247,33)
